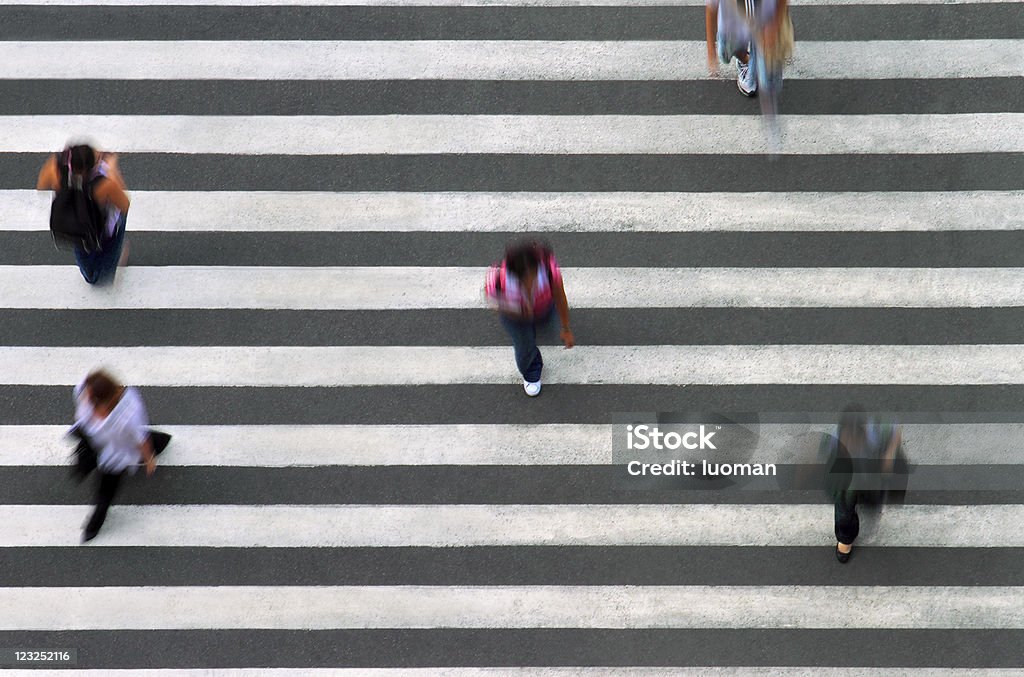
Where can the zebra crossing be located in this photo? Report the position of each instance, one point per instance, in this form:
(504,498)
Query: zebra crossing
(357,484)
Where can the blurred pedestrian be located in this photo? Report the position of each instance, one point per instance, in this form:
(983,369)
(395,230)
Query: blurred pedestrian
(860,460)
(90,209)
(525,287)
(113,422)
(758,34)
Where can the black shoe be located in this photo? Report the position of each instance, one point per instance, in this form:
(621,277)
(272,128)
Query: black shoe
(89,534)
(843,557)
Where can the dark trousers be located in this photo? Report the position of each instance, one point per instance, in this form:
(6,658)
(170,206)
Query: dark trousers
(105,492)
(100,267)
(847,521)
(524,342)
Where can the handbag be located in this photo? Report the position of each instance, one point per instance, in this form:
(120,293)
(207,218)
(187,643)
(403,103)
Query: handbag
(84,457)
(160,440)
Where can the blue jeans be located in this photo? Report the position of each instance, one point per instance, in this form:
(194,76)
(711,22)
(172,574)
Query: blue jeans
(99,267)
(524,341)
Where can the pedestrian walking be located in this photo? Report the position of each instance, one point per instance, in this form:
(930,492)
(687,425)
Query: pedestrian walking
(90,209)
(112,421)
(759,35)
(860,460)
(526,287)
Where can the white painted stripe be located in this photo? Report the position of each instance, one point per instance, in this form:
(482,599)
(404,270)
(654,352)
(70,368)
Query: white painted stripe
(319,445)
(542,672)
(362,607)
(271,446)
(494,60)
(404,288)
(377,526)
(264,366)
(519,134)
(475,3)
(28,210)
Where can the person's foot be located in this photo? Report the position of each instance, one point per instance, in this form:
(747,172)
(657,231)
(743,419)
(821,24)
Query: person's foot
(843,552)
(89,534)
(532,389)
(745,81)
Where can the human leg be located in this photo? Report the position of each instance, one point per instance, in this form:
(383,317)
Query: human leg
(89,264)
(105,492)
(524,343)
(847,524)
(111,254)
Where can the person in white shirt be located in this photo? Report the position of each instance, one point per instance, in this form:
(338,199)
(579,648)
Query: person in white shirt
(114,420)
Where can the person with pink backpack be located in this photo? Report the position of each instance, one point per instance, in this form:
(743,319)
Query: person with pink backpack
(525,287)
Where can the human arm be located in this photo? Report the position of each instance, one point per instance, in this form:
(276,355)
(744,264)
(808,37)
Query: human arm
(895,440)
(146,449)
(109,193)
(113,169)
(112,190)
(562,306)
(139,423)
(49,177)
(710,35)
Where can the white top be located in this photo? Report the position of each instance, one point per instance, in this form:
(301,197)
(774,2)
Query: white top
(117,437)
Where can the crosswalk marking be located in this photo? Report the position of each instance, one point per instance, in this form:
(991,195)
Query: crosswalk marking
(414,365)
(389,526)
(562,134)
(495,60)
(411,287)
(237,211)
(357,484)
(473,3)
(543,672)
(271,446)
(511,607)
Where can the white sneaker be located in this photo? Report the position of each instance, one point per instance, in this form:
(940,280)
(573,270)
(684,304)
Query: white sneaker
(746,82)
(532,389)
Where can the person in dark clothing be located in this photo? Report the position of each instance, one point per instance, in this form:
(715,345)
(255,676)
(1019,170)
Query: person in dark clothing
(860,460)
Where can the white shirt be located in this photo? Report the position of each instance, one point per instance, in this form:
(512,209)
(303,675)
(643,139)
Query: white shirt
(117,437)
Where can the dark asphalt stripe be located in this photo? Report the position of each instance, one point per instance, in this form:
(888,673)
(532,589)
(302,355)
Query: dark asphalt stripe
(379,405)
(490,485)
(551,173)
(479,327)
(446,647)
(947,249)
(843,23)
(505,97)
(519,565)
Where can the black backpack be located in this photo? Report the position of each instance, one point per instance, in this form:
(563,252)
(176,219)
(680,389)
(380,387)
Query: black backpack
(75,218)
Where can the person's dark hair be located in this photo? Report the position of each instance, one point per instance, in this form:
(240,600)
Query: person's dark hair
(523,258)
(102,387)
(83,158)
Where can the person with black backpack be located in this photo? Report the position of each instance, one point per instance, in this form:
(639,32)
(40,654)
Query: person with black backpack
(90,209)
